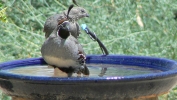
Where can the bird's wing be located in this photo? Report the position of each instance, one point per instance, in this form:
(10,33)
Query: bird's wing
(78,29)
(79,46)
(51,23)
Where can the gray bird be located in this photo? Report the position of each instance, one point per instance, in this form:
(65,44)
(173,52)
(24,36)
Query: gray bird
(62,50)
(75,14)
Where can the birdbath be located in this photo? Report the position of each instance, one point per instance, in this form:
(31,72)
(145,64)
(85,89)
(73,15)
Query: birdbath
(126,78)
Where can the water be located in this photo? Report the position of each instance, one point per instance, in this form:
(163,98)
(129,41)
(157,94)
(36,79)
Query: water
(95,70)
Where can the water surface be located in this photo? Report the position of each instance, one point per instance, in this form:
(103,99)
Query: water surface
(95,70)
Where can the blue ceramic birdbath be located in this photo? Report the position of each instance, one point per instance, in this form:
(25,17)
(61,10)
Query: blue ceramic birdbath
(161,77)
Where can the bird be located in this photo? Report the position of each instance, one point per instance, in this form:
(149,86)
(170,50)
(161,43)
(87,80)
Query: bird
(75,14)
(62,50)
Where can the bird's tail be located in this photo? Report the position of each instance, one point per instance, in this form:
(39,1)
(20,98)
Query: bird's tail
(85,70)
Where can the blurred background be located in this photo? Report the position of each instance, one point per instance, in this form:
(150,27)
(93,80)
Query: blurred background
(126,27)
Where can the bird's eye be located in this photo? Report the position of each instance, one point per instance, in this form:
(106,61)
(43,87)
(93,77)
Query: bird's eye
(82,11)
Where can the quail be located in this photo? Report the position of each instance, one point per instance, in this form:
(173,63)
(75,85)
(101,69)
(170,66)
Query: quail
(75,14)
(62,51)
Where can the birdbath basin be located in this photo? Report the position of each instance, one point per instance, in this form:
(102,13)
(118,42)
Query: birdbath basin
(126,78)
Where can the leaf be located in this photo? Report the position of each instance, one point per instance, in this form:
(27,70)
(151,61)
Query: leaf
(3,17)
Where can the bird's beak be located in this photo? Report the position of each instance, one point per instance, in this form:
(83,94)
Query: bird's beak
(66,24)
(87,15)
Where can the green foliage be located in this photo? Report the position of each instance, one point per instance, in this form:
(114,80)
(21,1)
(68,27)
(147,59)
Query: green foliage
(2,13)
(130,27)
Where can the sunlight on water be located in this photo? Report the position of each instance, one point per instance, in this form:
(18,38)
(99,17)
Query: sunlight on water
(95,70)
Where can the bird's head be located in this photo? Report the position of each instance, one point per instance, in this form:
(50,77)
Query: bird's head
(78,13)
(64,25)
(64,30)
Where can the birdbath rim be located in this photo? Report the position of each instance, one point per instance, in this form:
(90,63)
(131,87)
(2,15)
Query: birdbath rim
(103,59)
